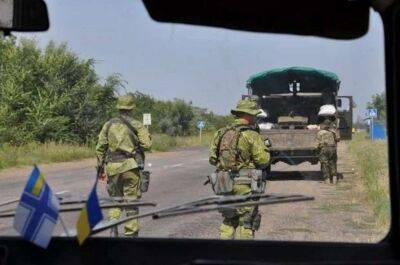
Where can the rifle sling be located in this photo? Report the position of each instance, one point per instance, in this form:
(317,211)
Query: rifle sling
(133,134)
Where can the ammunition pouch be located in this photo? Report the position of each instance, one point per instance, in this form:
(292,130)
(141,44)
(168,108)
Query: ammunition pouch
(222,182)
(144,180)
(255,177)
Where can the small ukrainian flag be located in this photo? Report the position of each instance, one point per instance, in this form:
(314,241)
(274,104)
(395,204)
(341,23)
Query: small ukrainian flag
(89,217)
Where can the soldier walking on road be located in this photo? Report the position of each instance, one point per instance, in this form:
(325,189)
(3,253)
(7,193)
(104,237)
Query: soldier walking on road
(327,139)
(240,155)
(120,149)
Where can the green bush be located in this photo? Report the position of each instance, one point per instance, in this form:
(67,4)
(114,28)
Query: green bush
(176,117)
(51,94)
(163,142)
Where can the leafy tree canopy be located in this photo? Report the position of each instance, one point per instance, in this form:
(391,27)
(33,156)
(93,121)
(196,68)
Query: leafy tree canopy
(51,94)
(378,101)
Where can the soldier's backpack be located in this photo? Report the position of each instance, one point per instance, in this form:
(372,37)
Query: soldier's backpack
(228,171)
(228,153)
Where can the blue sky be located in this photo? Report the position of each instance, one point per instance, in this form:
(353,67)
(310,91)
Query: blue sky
(207,66)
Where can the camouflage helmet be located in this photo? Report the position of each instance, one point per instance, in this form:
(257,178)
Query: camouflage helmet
(126,103)
(247,106)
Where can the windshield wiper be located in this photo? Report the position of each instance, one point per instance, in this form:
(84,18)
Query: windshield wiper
(58,195)
(70,203)
(221,203)
(11,212)
(206,205)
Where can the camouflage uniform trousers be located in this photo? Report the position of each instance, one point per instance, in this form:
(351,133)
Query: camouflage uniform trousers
(126,184)
(240,223)
(328,159)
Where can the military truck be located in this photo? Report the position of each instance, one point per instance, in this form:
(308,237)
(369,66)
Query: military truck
(291,99)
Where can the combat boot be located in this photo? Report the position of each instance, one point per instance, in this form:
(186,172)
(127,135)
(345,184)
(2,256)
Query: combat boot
(331,179)
(336,177)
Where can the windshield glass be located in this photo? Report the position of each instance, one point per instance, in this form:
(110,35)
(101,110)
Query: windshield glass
(161,109)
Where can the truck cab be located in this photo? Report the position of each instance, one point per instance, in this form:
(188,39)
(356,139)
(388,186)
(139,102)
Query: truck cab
(291,99)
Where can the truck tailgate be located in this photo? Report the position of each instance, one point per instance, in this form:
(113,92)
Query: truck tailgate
(286,140)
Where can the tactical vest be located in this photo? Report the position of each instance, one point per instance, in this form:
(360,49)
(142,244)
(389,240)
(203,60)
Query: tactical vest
(120,156)
(328,138)
(228,153)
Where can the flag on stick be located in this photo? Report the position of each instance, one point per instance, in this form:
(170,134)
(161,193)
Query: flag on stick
(89,216)
(37,212)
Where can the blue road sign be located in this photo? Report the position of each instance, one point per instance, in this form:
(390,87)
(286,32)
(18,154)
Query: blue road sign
(201,124)
(378,131)
(372,113)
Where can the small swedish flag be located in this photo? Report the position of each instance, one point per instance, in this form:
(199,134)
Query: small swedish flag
(89,217)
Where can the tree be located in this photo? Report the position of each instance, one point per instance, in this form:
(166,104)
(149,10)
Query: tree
(51,94)
(378,102)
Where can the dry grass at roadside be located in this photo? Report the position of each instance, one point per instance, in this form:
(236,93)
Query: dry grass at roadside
(162,142)
(371,160)
(13,156)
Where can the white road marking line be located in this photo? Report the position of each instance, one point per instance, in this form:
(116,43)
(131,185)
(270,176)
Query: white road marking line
(172,166)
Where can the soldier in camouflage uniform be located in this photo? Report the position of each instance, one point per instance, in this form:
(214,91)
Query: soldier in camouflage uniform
(252,153)
(327,139)
(121,148)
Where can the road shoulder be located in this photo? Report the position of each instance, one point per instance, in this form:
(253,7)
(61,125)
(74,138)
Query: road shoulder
(339,213)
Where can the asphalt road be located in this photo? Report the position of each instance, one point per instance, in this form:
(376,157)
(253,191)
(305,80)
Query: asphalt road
(178,177)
